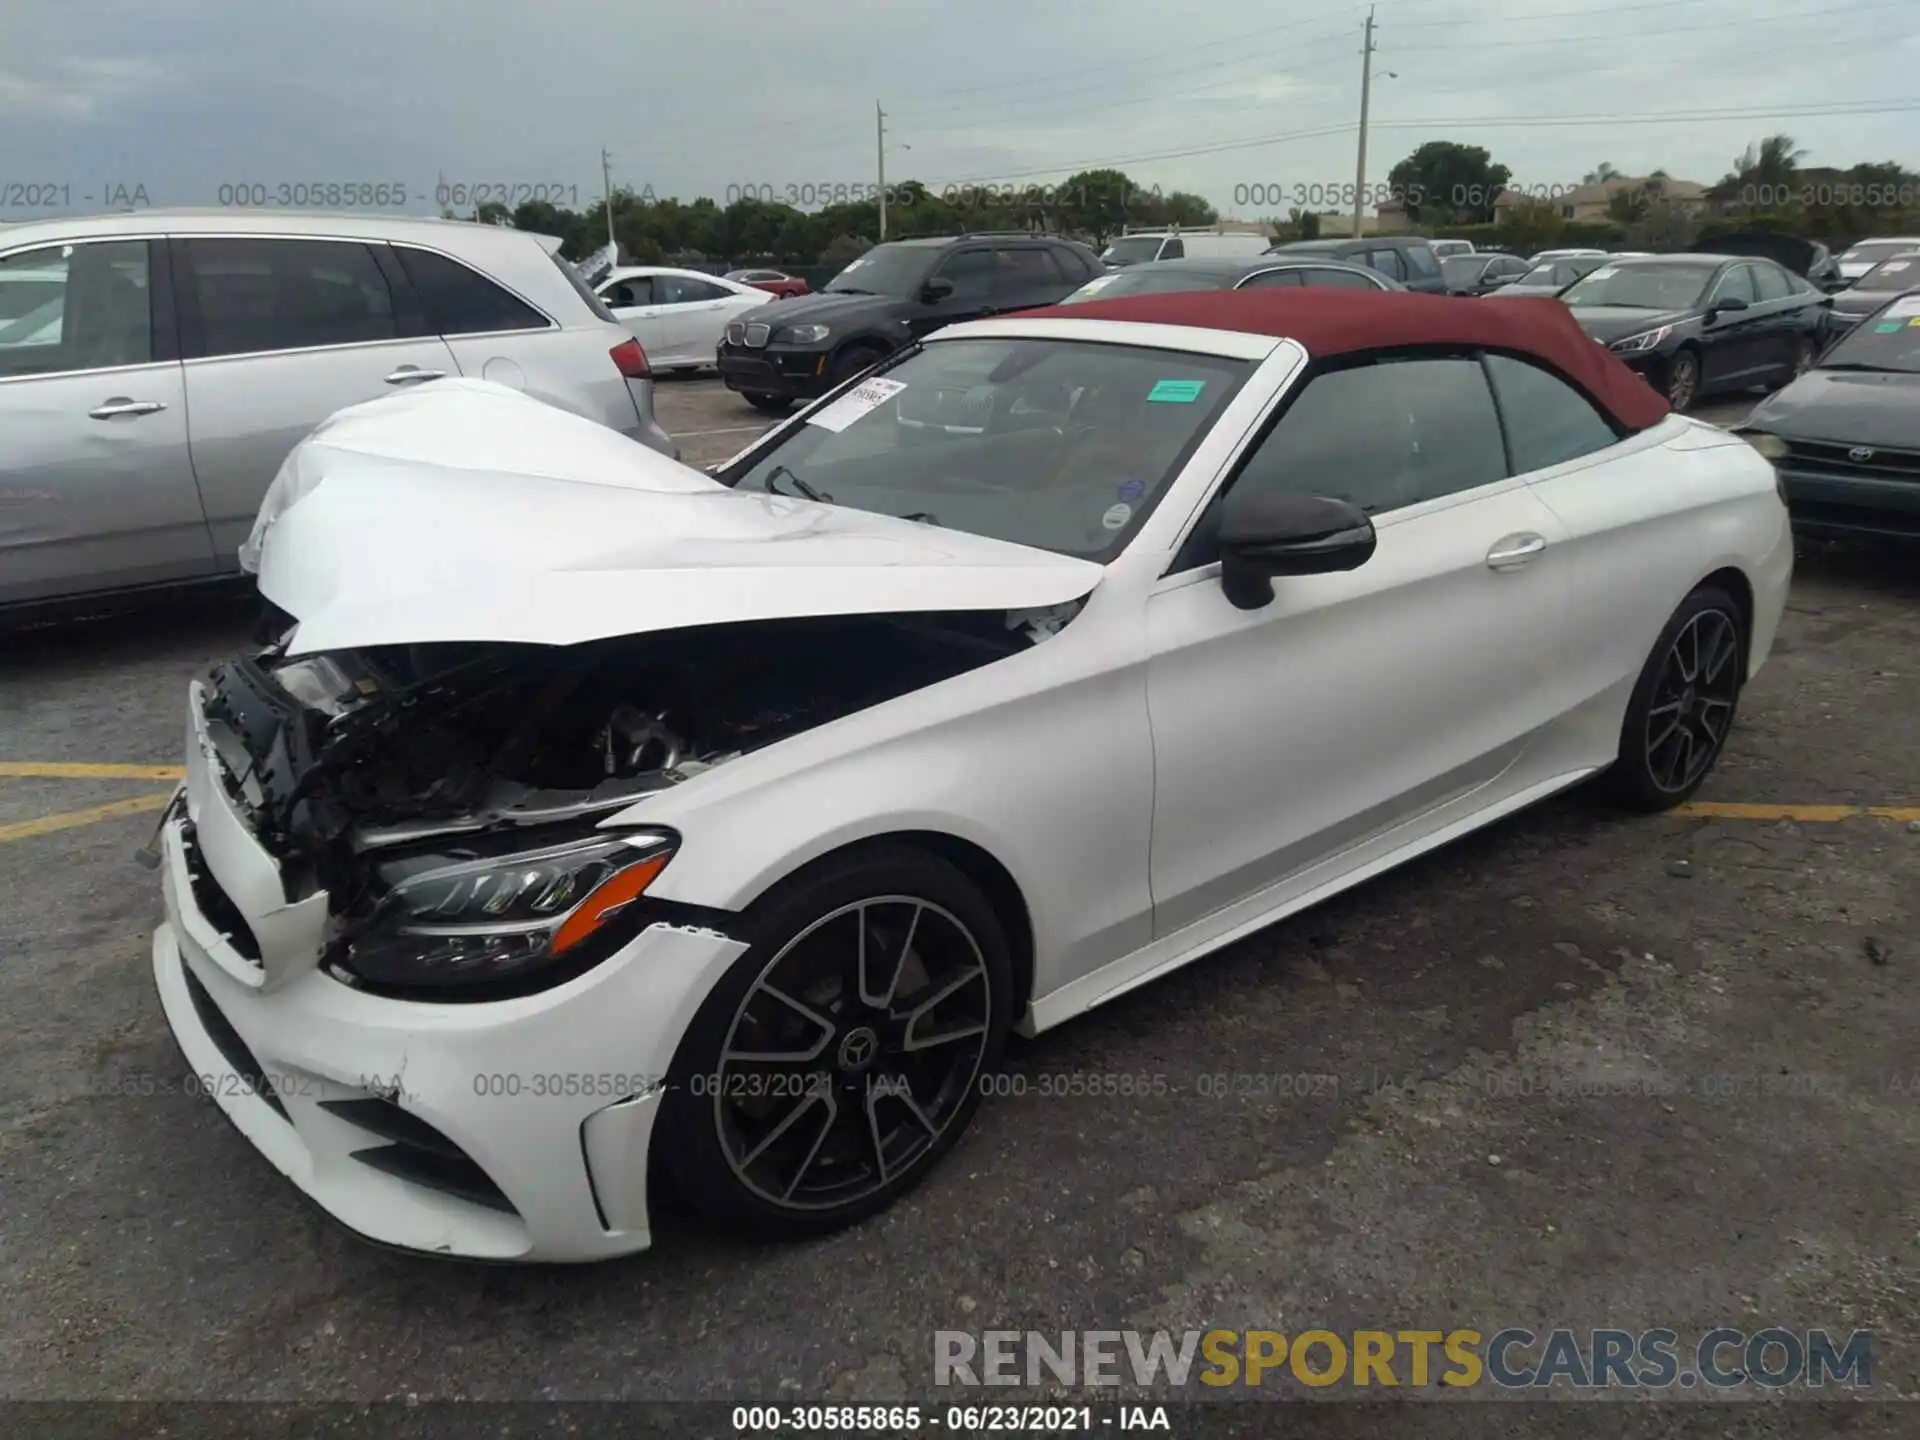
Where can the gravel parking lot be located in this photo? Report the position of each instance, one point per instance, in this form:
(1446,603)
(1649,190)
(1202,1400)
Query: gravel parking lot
(1576,1070)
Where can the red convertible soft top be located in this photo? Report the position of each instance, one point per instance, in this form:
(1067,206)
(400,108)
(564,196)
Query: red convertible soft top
(1333,320)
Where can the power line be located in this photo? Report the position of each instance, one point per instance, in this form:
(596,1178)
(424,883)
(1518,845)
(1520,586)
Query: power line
(1860,107)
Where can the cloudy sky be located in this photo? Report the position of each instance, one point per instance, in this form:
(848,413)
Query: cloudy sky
(705,98)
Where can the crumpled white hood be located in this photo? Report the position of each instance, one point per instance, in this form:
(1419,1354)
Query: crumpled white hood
(466,511)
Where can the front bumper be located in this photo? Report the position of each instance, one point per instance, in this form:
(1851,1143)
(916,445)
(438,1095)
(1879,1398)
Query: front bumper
(505,1130)
(791,374)
(1823,503)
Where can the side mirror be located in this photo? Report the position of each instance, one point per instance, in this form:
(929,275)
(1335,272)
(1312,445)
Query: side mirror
(1726,305)
(936,290)
(1264,534)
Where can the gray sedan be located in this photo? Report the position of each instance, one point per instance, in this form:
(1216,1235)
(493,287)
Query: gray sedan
(156,368)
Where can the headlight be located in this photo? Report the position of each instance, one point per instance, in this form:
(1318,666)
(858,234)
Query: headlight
(806,334)
(466,919)
(1771,446)
(1645,340)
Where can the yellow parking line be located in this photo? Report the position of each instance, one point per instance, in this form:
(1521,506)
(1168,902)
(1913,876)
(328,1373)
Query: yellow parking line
(74,819)
(45,770)
(1815,814)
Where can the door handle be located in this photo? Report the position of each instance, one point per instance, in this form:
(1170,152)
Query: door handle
(1513,551)
(409,373)
(121,405)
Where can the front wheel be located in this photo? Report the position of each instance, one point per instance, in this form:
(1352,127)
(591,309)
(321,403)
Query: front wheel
(1683,706)
(1683,381)
(770,404)
(851,361)
(844,1053)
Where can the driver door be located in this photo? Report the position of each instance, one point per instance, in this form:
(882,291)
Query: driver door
(1391,698)
(971,273)
(1735,341)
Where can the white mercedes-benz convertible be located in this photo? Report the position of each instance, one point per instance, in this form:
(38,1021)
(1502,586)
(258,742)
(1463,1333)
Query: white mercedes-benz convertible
(587,821)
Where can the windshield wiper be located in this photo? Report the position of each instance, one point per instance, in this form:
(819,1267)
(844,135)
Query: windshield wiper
(925,517)
(807,491)
(847,290)
(1862,365)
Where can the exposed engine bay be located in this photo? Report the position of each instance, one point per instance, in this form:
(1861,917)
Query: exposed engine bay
(340,754)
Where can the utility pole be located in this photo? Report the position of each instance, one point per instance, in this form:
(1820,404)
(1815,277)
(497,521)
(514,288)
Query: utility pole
(1360,166)
(606,181)
(880,140)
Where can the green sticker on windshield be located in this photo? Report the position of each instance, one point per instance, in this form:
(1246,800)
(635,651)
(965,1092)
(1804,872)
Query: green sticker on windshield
(1888,327)
(1177,392)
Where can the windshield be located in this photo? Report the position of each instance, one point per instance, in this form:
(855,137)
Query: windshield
(1870,252)
(1540,276)
(1642,286)
(1132,250)
(1900,273)
(1148,280)
(1062,445)
(1888,340)
(895,270)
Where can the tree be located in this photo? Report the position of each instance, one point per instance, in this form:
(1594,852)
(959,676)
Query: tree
(1098,203)
(1629,203)
(1661,226)
(1446,181)
(1183,207)
(1600,174)
(1529,224)
(843,250)
(1773,163)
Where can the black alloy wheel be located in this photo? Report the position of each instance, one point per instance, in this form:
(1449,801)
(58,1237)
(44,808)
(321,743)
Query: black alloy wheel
(1683,380)
(1683,707)
(830,1070)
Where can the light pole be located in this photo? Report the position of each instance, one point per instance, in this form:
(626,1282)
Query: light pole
(606,181)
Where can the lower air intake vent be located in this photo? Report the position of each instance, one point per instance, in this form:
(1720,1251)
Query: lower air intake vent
(419,1153)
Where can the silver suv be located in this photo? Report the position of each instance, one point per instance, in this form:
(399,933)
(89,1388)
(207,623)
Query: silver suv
(156,368)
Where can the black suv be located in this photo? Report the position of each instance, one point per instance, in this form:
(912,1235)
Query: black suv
(802,347)
(1406,258)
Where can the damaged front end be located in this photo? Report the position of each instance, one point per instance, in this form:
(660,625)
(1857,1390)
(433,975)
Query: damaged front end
(446,797)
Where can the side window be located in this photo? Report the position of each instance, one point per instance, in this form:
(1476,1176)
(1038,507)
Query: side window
(1072,264)
(1024,270)
(1174,249)
(624,293)
(1419,261)
(460,301)
(254,295)
(75,307)
(1387,262)
(1319,275)
(1507,268)
(971,272)
(1770,282)
(1736,284)
(1270,278)
(1548,421)
(685,290)
(1381,436)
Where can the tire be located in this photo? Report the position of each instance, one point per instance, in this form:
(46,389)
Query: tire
(1683,380)
(781,1150)
(769,404)
(1803,357)
(1671,712)
(851,361)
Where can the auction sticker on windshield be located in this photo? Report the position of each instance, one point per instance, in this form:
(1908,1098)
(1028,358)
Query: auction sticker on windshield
(1905,308)
(1177,392)
(863,399)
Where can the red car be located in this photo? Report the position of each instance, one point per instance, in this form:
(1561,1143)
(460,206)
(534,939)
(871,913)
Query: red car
(776,282)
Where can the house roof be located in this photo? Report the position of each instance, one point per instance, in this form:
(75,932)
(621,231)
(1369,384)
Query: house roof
(1336,321)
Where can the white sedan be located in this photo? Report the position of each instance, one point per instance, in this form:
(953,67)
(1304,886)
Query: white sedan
(678,316)
(593,821)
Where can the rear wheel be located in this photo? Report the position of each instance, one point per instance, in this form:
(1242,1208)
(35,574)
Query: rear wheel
(769,404)
(843,1054)
(1683,380)
(1683,706)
